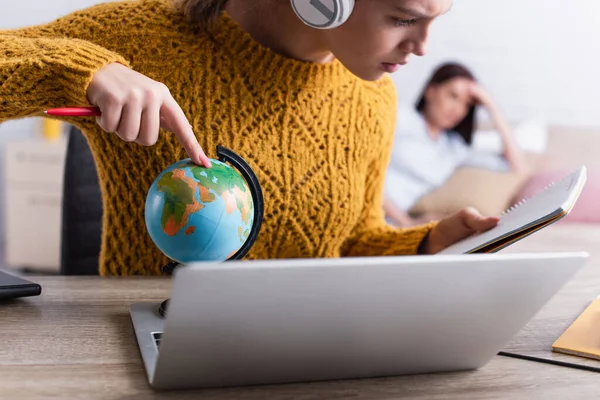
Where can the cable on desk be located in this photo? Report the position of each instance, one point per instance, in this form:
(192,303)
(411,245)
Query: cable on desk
(548,361)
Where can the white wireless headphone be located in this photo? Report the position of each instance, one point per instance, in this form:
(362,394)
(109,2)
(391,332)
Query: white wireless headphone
(323,14)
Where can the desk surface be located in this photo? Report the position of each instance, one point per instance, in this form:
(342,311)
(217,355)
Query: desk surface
(536,338)
(76,341)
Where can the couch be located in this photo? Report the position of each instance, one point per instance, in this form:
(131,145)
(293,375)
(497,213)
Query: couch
(564,149)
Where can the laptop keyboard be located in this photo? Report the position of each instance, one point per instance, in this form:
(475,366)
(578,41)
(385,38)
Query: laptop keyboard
(157,336)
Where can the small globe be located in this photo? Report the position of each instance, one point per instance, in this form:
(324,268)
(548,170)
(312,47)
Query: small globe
(195,213)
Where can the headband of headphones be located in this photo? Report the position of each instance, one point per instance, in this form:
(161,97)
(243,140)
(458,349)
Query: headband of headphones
(323,14)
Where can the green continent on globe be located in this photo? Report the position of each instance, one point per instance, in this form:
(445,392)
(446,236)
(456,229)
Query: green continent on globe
(179,201)
(228,184)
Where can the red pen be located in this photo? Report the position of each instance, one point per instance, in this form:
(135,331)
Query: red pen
(74,112)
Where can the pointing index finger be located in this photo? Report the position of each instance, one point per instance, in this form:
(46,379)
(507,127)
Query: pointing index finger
(178,124)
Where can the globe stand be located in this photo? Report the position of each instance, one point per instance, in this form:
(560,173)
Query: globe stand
(226,155)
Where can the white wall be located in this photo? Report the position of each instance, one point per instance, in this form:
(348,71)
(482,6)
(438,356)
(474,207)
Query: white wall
(537,57)
(16,14)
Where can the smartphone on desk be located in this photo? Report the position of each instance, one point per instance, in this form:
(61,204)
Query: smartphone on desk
(12,286)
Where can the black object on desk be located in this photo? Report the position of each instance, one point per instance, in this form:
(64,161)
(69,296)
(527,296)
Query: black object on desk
(12,287)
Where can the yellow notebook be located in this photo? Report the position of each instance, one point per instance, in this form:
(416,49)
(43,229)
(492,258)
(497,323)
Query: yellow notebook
(582,338)
(526,217)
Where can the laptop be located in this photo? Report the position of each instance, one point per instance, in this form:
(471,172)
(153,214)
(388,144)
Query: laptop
(12,287)
(245,323)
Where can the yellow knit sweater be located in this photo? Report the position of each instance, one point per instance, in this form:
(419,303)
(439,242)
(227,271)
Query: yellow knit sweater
(318,138)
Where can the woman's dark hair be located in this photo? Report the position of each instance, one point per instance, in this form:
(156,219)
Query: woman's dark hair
(444,73)
(202,13)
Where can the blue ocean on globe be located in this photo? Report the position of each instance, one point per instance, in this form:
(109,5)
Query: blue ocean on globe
(195,213)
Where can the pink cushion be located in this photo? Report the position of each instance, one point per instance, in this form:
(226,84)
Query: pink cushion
(587,208)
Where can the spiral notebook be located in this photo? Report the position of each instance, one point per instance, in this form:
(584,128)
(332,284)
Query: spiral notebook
(527,216)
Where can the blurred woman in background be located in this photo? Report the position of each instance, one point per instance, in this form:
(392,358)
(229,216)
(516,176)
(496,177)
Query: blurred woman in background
(434,138)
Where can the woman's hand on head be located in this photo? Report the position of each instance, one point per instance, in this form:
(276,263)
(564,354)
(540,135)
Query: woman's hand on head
(134,107)
(455,228)
(481,96)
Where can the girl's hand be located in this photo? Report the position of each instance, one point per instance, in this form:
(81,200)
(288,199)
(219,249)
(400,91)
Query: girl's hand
(455,228)
(134,107)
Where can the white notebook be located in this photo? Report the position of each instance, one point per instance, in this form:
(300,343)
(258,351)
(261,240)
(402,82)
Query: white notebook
(526,217)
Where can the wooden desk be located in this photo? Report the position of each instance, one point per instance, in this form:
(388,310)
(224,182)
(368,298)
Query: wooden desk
(536,338)
(76,341)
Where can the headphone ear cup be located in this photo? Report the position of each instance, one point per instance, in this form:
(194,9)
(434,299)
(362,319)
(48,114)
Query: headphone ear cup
(323,14)
(346,11)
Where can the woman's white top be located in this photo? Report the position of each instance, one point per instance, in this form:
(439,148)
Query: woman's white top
(420,164)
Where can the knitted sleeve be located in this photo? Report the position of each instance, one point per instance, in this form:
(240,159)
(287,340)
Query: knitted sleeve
(48,66)
(373,236)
